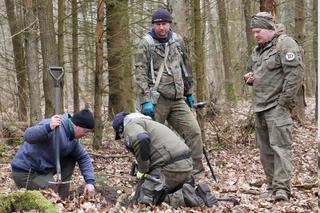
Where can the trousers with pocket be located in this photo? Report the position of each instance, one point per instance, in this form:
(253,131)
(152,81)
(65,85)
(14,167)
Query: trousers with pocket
(274,140)
(33,180)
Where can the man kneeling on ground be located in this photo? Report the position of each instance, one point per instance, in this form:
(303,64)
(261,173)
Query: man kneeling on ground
(34,165)
(164,163)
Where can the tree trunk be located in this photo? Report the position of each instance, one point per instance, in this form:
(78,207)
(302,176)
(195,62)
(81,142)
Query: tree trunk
(120,88)
(19,60)
(269,6)
(247,16)
(98,128)
(75,55)
(180,12)
(298,111)
(31,48)
(61,18)
(223,24)
(201,76)
(315,49)
(49,52)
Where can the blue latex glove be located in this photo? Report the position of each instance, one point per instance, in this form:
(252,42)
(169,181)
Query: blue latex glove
(190,101)
(148,109)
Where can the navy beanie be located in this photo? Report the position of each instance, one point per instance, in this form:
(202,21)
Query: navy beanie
(83,119)
(161,15)
(117,123)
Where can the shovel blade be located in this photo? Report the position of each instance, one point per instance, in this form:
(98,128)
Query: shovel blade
(61,188)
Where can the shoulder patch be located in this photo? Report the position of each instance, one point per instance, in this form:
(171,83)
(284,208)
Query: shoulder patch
(290,56)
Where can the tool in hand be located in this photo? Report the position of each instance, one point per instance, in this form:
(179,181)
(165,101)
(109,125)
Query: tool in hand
(60,187)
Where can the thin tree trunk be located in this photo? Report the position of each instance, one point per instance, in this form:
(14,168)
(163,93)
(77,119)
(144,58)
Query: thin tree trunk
(223,24)
(61,18)
(247,16)
(75,55)
(49,52)
(298,111)
(315,48)
(31,48)
(201,76)
(97,141)
(19,60)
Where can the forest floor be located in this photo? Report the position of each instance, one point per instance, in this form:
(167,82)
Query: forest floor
(232,153)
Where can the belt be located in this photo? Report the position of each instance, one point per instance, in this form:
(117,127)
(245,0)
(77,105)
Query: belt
(180,157)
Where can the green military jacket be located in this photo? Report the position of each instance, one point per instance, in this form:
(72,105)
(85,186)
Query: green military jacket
(171,85)
(278,73)
(165,145)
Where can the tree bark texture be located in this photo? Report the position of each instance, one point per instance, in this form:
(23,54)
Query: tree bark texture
(75,56)
(49,52)
(32,61)
(19,60)
(61,32)
(247,11)
(98,128)
(223,24)
(118,59)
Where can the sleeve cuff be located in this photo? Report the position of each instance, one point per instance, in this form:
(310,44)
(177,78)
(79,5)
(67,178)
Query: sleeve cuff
(91,182)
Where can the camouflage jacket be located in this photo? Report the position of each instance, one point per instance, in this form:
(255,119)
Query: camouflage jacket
(164,145)
(278,72)
(172,83)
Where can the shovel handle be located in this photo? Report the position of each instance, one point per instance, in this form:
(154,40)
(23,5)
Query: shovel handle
(57,74)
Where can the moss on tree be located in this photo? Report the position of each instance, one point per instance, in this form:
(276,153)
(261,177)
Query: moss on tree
(26,201)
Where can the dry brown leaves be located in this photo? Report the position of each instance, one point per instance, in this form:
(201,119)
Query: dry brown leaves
(233,155)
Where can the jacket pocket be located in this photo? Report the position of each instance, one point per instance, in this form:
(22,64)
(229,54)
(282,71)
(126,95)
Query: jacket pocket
(272,61)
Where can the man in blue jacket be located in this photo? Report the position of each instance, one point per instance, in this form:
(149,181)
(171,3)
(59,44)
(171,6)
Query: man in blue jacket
(34,164)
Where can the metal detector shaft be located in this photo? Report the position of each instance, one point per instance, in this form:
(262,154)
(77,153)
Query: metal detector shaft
(209,164)
(197,106)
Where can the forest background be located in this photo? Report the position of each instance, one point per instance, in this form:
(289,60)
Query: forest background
(94,41)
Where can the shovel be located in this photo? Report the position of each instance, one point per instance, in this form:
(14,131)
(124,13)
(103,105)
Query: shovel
(61,188)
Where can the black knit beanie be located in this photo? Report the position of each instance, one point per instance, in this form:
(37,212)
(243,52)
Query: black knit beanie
(161,15)
(84,119)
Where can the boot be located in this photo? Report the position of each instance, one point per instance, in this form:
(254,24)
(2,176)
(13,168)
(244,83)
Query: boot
(204,192)
(191,199)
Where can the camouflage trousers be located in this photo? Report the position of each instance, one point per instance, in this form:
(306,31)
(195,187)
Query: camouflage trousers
(33,180)
(147,189)
(181,119)
(274,139)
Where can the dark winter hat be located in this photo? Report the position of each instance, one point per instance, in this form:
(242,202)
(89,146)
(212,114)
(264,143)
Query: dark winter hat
(84,119)
(262,20)
(161,15)
(117,123)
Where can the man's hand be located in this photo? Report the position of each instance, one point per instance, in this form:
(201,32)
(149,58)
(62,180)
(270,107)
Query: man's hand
(55,121)
(249,78)
(89,190)
(190,101)
(148,109)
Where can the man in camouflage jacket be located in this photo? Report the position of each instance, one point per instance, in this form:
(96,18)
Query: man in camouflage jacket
(275,71)
(171,98)
(164,163)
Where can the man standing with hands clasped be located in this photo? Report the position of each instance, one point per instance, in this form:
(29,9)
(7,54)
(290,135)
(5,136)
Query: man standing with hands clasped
(275,71)
(164,83)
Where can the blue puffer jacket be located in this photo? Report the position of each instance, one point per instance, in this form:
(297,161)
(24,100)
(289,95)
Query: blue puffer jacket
(38,152)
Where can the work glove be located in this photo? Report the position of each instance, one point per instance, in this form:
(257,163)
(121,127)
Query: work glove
(148,109)
(190,101)
(140,175)
(89,190)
